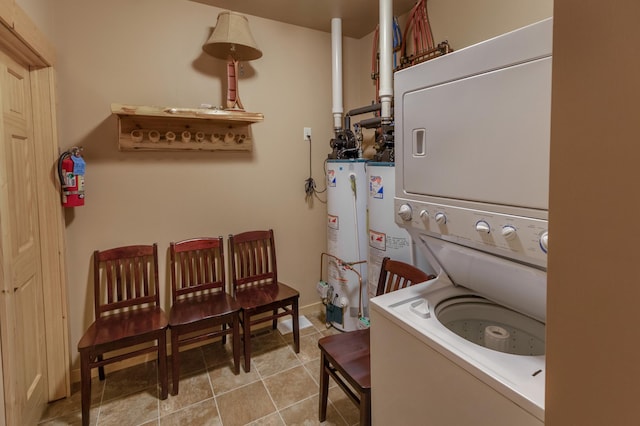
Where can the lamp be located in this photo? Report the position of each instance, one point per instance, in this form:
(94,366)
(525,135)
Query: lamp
(232,40)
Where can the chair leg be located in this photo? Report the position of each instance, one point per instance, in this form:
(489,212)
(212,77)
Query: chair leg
(324,388)
(101,369)
(246,334)
(236,343)
(296,326)
(274,323)
(175,360)
(162,364)
(85,379)
(365,408)
(224,335)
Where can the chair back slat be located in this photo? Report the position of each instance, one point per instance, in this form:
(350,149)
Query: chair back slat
(396,275)
(197,267)
(125,278)
(253,259)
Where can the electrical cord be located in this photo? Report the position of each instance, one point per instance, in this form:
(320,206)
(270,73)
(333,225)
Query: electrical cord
(310,184)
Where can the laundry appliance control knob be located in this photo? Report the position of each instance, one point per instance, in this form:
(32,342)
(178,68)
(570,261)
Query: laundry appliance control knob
(405,212)
(441,218)
(424,215)
(509,232)
(483,226)
(544,241)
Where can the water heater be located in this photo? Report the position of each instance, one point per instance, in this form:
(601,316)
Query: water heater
(347,242)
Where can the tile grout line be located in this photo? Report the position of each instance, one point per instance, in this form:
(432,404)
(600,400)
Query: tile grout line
(213,391)
(308,369)
(104,385)
(269,393)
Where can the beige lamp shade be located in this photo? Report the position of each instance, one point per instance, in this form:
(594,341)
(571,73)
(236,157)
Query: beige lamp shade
(231,38)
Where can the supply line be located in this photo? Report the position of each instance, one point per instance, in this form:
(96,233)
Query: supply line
(397,41)
(348,266)
(357,238)
(374,62)
(422,36)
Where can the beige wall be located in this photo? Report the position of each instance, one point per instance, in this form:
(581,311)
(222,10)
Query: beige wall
(466,22)
(41,13)
(148,52)
(594,279)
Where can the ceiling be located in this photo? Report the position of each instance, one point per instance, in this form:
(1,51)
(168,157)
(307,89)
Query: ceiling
(359,17)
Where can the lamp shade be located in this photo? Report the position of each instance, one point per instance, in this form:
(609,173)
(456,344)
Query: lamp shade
(231,38)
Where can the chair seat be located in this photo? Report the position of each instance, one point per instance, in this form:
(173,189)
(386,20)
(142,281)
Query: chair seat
(194,309)
(264,295)
(123,326)
(349,354)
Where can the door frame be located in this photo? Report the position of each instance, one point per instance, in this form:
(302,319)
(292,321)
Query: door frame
(22,40)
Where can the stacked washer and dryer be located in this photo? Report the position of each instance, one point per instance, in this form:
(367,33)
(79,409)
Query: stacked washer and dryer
(472,166)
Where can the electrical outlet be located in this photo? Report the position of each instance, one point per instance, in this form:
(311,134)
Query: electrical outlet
(306,134)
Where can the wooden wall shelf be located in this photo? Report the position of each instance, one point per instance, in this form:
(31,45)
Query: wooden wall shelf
(149,128)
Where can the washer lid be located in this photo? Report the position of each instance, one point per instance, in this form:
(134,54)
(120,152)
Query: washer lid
(517,286)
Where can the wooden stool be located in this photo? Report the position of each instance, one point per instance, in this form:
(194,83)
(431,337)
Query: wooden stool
(346,358)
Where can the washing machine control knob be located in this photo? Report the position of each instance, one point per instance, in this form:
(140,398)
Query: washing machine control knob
(483,226)
(441,218)
(405,212)
(509,232)
(544,241)
(424,215)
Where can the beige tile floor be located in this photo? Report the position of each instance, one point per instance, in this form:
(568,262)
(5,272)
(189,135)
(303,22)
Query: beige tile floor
(280,389)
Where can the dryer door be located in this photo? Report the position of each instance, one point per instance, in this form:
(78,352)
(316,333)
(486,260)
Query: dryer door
(481,138)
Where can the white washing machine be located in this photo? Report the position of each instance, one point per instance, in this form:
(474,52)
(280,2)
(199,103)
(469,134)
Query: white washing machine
(472,149)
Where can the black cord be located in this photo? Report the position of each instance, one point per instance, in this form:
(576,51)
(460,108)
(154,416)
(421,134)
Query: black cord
(310,184)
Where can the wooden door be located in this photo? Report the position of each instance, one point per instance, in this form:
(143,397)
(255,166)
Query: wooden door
(22,308)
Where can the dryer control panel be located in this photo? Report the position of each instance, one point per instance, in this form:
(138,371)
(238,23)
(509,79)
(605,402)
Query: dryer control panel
(520,238)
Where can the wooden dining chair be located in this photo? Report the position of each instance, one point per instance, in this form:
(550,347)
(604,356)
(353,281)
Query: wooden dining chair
(201,308)
(127,312)
(254,277)
(346,357)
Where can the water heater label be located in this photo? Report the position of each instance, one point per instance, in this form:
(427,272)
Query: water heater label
(376,187)
(397,243)
(331,177)
(377,240)
(333,222)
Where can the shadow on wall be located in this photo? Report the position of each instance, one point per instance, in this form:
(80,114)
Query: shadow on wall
(101,146)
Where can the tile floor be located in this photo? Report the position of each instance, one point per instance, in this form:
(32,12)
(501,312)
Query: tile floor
(280,389)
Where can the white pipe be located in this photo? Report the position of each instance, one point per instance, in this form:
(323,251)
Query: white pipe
(386,59)
(336,71)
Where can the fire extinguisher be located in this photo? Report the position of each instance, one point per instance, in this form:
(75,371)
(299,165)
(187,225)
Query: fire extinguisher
(71,168)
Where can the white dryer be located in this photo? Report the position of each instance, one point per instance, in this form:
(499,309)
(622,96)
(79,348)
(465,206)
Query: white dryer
(472,164)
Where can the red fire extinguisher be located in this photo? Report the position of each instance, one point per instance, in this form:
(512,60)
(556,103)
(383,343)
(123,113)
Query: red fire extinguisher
(71,168)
